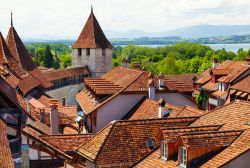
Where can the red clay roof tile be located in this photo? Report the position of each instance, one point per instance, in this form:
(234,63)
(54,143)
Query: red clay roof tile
(6,160)
(92,35)
(124,142)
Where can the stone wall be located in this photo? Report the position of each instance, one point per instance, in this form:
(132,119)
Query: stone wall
(97,63)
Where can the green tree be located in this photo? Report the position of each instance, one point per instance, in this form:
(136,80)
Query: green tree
(48,57)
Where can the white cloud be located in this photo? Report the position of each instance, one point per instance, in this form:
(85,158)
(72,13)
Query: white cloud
(64,18)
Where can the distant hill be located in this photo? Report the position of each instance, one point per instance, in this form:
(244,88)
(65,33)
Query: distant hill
(207,34)
(197,31)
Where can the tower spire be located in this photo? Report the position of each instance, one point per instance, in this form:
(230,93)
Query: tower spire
(11,19)
(91,8)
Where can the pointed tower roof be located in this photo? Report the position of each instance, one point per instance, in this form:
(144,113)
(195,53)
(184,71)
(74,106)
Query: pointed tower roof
(4,51)
(19,51)
(7,59)
(23,58)
(92,35)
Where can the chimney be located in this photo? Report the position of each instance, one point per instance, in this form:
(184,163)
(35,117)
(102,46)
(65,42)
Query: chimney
(247,59)
(125,63)
(161,82)
(215,63)
(42,115)
(54,117)
(151,87)
(161,109)
(63,101)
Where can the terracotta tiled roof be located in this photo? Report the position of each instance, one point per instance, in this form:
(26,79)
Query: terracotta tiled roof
(27,84)
(67,143)
(235,73)
(66,73)
(79,71)
(92,35)
(234,116)
(238,147)
(221,71)
(41,97)
(87,101)
(204,79)
(219,93)
(153,160)
(19,51)
(141,83)
(211,86)
(31,132)
(122,76)
(124,142)
(3,50)
(12,80)
(102,86)
(243,85)
(189,111)
(6,160)
(57,74)
(172,134)
(23,57)
(182,83)
(209,139)
(6,58)
(149,110)
(119,77)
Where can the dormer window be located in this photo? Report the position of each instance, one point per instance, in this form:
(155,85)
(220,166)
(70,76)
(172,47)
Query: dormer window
(150,144)
(103,52)
(164,150)
(183,157)
(220,86)
(79,51)
(88,51)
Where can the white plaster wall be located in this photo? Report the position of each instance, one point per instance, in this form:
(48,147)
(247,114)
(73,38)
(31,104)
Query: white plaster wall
(68,92)
(116,109)
(176,99)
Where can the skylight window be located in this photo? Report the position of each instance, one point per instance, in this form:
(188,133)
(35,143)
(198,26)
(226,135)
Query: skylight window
(150,144)
(167,112)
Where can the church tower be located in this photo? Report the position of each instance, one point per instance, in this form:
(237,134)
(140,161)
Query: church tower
(92,48)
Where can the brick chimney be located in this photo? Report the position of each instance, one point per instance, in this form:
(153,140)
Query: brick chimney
(54,117)
(161,109)
(125,63)
(151,87)
(161,81)
(247,59)
(215,63)
(63,101)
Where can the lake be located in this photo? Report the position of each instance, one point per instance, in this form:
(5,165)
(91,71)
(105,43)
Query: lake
(228,47)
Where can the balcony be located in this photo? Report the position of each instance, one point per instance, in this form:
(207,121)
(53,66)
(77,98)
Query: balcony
(213,101)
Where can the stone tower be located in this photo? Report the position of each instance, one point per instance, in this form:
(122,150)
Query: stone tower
(92,48)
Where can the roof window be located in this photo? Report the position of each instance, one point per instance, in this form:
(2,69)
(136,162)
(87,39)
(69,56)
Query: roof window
(150,144)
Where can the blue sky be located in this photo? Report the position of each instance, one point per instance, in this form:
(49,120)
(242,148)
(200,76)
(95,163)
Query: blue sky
(65,18)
